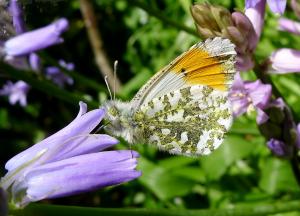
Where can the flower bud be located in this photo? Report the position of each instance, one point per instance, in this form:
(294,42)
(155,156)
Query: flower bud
(270,130)
(210,20)
(213,21)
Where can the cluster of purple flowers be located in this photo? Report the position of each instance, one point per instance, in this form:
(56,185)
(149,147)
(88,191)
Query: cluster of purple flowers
(244,30)
(20,52)
(247,95)
(72,160)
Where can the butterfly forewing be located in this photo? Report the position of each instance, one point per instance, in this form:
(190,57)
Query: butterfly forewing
(189,121)
(208,63)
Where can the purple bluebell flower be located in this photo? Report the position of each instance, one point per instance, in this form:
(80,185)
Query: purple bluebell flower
(246,96)
(278,148)
(285,61)
(37,39)
(17,17)
(289,26)
(16,92)
(276,6)
(69,162)
(58,77)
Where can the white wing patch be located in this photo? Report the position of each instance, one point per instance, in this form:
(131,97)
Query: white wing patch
(189,121)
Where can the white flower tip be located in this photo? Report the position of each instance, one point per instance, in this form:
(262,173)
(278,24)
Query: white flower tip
(82,109)
(62,24)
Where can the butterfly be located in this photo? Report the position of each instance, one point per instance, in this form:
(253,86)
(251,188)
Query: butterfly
(184,108)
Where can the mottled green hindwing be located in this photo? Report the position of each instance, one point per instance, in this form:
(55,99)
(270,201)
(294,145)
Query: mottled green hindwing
(188,121)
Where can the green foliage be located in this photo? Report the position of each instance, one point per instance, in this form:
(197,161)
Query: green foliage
(241,173)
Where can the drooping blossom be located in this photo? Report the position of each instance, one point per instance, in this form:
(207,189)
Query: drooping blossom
(19,51)
(216,21)
(285,61)
(288,25)
(35,40)
(276,6)
(57,76)
(278,148)
(16,92)
(246,96)
(69,162)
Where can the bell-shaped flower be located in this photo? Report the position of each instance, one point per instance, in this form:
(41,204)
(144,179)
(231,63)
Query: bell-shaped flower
(16,92)
(36,40)
(246,96)
(68,162)
(288,25)
(279,148)
(285,60)
(57,76)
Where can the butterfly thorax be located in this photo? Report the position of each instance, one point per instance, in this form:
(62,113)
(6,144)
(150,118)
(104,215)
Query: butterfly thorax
(120,120)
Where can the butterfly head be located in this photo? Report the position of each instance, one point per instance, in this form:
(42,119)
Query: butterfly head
(119,118)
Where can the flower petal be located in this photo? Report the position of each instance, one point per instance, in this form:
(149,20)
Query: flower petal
(80,174)
(251,3)
(82,125)
(36,40)
(284,61)
(84,145)
(278,147)
(260,93)
(35,62)
(256,16)
(288,25)
(277,6)
(261,117)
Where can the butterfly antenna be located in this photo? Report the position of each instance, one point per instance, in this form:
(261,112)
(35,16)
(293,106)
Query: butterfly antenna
(106,82)
(115,76)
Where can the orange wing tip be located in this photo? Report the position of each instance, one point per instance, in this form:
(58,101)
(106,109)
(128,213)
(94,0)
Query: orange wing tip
(208,63)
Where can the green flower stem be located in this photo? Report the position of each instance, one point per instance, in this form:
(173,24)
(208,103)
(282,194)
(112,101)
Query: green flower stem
(159,15)
(43,85)
(255,210)
(75,75)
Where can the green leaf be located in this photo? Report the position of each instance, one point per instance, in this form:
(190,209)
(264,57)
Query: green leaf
(163,183)
(277,176)
(234,148)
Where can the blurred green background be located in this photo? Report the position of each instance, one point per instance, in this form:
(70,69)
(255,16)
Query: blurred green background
(242,172)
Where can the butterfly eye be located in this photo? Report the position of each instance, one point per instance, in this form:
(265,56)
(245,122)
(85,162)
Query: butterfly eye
(113,111)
